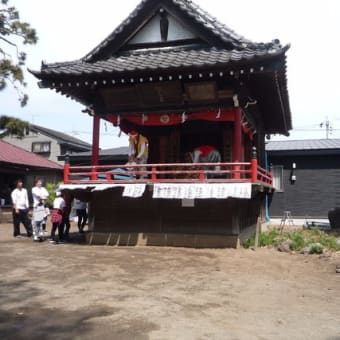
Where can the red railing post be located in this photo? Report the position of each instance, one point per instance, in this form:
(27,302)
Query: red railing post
(153,174)
(254,166)
(202,176)
(108,176)
(94,173)
(67,169)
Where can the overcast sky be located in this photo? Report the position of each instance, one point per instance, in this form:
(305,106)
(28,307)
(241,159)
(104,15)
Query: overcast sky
(68,29)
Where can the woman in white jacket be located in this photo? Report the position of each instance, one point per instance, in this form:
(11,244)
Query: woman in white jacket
(40,195)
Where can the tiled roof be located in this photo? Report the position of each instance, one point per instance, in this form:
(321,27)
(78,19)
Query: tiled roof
(14,155)
(305,144)
(232,47)
(121,151)
(61,137)
(198,15)
(216,46)
(210,22)
(156,59)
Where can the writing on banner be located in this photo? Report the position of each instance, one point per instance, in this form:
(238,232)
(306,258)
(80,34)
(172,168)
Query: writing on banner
(133,190)
(202,190)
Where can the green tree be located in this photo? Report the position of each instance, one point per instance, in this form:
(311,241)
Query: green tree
(13,126)
(13,33)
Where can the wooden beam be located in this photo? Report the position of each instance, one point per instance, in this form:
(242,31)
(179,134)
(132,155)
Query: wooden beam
(95,140)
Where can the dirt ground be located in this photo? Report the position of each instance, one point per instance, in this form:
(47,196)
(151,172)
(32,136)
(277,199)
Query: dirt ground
(75,291)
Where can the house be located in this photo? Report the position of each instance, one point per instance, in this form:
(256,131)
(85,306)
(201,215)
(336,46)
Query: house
(106,156)
(306,176)
(48,143)
(179,77)
(18,163)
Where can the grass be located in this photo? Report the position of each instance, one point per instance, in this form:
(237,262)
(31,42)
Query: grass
(299,239)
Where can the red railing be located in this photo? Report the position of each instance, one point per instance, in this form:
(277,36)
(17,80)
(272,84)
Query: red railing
(168,173)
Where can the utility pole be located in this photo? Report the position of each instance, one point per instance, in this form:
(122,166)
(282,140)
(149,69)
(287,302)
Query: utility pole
(328,126)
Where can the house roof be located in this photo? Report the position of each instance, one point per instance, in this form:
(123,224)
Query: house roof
(116,62)
(123,150)
(210,29)
(159,59)
(14,155)
(61,137)
(305,144)
(221,45)
(113,154)
(192,10)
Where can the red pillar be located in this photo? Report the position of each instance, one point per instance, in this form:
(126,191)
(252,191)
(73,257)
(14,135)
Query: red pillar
(95,140)
(254,165)
(67,169)
(237,145)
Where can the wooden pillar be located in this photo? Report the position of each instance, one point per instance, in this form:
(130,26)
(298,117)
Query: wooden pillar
(67,169)
(236,218)
(254,165)
(95,140)
(237,145)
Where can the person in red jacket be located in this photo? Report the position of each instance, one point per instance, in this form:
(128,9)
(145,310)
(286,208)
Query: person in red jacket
(206,154)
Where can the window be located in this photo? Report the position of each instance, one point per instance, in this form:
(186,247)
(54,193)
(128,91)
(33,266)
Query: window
(41,147)
(278,177)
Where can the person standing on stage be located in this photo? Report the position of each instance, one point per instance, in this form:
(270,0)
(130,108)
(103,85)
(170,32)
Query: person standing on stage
(138,149)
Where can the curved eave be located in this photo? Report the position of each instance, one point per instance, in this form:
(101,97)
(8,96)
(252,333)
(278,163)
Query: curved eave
(157,61)
(70,80)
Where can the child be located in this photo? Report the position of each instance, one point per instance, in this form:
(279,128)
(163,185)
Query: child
(40,194)
(57,218)
(38,221)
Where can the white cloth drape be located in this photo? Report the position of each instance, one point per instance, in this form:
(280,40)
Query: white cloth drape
(176,190)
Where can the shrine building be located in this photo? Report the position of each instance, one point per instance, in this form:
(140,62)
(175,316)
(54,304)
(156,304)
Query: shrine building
(182,79)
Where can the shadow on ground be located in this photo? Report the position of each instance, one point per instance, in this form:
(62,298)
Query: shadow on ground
(22,319)
(74,238)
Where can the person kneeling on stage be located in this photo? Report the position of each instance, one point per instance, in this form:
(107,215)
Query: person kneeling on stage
(207,154)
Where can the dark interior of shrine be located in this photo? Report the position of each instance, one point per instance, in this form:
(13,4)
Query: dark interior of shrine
(169,144)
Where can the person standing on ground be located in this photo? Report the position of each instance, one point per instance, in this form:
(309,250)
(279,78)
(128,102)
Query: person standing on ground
(37,222)
(39,194)
(20,209)
(81,208)
(66,225)
(57,218)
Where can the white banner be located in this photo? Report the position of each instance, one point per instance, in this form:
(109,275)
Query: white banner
(202,190)
(176,190)
(133,190)
(130,190)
